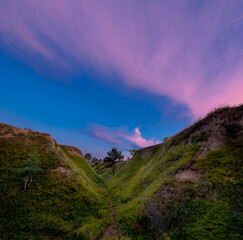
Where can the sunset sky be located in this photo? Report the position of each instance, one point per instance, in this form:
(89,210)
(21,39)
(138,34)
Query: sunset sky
(98,74)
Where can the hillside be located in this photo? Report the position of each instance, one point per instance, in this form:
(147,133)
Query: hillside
(104,170)
(189,187)
(47,191)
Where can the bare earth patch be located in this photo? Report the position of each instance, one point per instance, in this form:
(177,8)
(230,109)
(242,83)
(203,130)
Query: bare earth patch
(62,170)
(188,174)
(72,150)
(6,133)
(9,132)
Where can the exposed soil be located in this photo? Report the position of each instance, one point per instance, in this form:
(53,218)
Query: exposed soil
(62,170)
(188,174)
(27,135)
(111,230)
(72,150)
(10,132)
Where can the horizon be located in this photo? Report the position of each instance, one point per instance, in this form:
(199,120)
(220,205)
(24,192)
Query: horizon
(127,75)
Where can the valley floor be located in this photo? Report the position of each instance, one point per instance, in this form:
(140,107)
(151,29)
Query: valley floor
(111,231)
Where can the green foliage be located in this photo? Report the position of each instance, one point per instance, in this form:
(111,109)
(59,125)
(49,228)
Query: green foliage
(112,156)
(31,170)
(66,199)
(94,159)
(88,156)
(105,171)
(210,209)
(139,179)
(190,210)
(165,237)
(216,222)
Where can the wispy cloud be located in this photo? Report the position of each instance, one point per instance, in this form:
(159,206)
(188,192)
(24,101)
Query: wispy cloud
(190,51)
(119,136)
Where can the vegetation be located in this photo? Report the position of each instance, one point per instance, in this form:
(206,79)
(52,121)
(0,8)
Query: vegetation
(105,171)
(113,156)
(95,160)
(189,187)
(65,200)
(138,180)
(30,170)
(88,156)
(183,188)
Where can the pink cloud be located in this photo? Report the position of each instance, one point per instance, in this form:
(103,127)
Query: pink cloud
(119,136)
(188,52)
(137,139)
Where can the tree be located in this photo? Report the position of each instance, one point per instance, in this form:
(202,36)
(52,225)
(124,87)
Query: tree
(94,160)
(88,156)
(30,170)
(106,160)
(113,156)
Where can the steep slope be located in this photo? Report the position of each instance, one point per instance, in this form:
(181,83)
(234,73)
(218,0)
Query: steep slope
(47,191)
(189,187)
(104,169)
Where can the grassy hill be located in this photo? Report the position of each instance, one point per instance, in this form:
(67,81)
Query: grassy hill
(65,198)
(189,187)
(104,170)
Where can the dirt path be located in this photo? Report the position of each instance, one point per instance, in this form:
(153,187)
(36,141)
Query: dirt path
(111,230)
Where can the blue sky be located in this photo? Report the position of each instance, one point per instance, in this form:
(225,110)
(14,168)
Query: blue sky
(126,74)
(67,110)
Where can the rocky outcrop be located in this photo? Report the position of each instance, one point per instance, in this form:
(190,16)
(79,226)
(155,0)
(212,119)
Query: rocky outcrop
(10,133)
(72,150)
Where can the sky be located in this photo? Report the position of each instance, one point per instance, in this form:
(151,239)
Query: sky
(126,74)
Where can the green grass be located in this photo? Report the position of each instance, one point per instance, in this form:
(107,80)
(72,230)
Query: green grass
(140,178)
(56,205)
(222,217)
(83,172)
(105,171)
(149,201)
(209,209)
